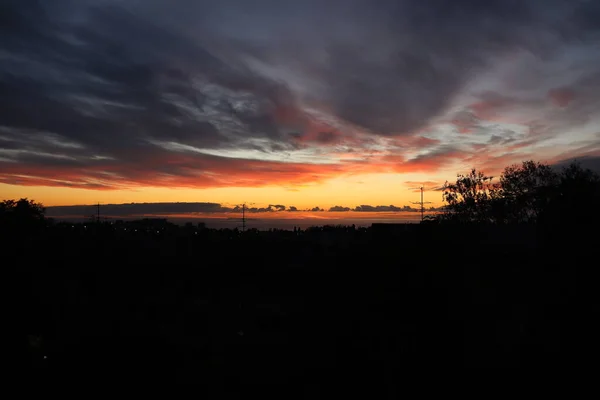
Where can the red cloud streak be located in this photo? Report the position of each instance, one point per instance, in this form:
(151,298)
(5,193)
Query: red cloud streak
(561,97)
(176,171)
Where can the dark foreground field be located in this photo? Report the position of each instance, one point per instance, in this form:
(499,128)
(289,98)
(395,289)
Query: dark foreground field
(306,310)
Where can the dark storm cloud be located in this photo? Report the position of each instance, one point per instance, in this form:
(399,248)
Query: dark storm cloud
(106,79)
(118,85)
(391,66)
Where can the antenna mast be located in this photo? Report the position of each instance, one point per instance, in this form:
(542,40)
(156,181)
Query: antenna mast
(422,207)
(244,217)
(421,203)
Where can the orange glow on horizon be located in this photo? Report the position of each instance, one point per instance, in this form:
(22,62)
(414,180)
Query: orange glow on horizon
(352,191)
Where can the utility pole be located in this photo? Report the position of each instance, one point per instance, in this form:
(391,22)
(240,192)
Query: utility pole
(98,213)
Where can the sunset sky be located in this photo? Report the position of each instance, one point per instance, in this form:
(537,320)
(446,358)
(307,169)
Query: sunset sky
(314,103)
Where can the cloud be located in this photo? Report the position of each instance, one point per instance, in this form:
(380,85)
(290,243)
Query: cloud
(106,89)
(326,137)
(587,162)
(134,210)
(368,208)
(269,208)
(433,160)
(159,168)
(141,209)
(339,208)
(392,208)
(561,97)
(113,94)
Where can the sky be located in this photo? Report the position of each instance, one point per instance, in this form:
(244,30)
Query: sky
(338,104)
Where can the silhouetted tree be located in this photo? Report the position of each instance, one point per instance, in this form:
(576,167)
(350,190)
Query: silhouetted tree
(21,214)
(470,199)
(526,193)
(575,198)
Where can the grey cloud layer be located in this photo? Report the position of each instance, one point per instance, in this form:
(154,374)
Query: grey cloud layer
(113,83)
(391,66)
(118,82)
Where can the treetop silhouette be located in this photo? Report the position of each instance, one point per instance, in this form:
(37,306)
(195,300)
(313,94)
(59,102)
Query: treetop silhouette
(528,193)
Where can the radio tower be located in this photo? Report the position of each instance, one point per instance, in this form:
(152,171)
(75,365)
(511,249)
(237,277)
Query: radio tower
(421,203)
(95,216)
(244,217)
(236,209)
